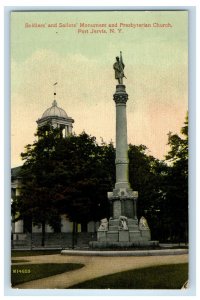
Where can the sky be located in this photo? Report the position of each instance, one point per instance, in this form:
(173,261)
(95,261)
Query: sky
(156,67)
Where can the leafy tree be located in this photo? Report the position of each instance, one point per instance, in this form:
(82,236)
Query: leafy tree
(177,184)
(163,187)
(147,176)
(36,201)
(90,176)
(64,176)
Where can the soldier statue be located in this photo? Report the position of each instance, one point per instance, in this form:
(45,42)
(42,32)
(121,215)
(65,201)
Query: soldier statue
(119,69)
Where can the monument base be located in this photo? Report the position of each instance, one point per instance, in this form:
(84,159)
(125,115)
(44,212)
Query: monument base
(123,244)
(129,236)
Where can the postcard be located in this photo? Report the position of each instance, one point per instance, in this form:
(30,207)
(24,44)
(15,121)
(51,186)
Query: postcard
(99,149)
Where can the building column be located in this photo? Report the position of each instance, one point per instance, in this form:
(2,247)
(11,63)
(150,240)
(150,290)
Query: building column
(66,131)
(19,226)
(70,129)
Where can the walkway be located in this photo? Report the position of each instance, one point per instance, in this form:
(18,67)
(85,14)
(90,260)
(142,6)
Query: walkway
(95,266)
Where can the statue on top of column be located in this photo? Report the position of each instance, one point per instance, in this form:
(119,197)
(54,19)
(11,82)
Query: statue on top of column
(119,68)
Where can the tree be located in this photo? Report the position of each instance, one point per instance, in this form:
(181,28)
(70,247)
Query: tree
(36,201)
(147,176)
(90,175)
(163,187)
(64,176)
(177,183)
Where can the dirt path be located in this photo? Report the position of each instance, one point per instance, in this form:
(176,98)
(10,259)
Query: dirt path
(94,267)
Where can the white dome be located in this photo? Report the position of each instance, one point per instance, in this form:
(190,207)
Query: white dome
(54,111)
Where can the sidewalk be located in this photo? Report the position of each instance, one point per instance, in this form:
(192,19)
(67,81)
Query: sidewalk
(95,266)
(111,253)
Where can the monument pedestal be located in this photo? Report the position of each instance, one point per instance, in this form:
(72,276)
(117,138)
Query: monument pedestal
(115,237)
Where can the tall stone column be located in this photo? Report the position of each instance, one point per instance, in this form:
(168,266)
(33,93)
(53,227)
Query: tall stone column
(120,97)
(122,195)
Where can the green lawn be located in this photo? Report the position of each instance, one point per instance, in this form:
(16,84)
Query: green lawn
(23,273)
(17,253)
(157,277)
(19,260)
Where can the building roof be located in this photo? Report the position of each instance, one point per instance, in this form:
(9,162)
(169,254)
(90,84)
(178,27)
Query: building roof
(54,111)
(15,172)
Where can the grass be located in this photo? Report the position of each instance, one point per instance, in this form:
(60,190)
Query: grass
(17,253)
(24,273)
(157,277)
(19,260)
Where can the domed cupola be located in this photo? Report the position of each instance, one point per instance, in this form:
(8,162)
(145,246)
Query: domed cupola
(57,117)
(55,111)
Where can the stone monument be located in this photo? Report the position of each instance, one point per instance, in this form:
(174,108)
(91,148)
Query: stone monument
(122,229)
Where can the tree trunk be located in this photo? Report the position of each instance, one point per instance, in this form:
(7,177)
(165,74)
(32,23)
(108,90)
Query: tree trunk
(43,234)
(74,234)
